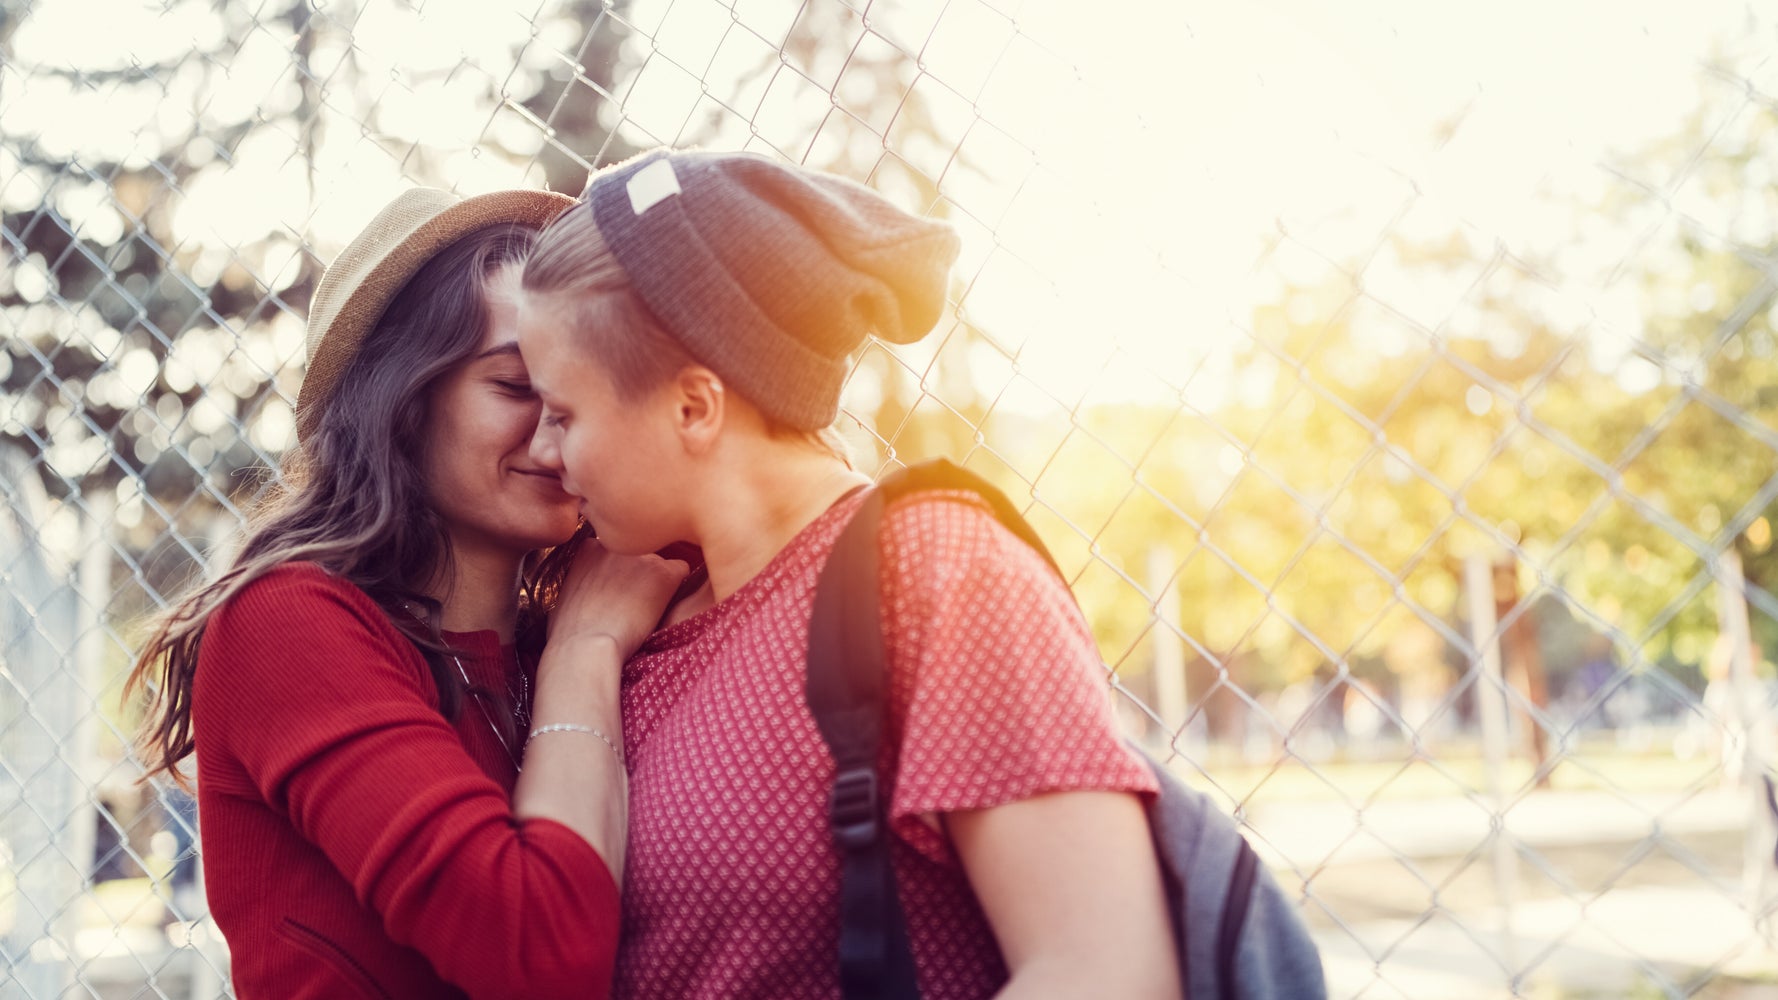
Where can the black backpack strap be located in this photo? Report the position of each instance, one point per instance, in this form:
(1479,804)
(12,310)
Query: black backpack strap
(847,693)
(846,689)
(940,475)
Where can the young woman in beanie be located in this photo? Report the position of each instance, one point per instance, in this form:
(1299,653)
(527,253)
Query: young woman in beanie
(396,780)
(687,328)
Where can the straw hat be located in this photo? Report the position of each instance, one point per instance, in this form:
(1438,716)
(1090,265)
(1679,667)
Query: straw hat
(371,270)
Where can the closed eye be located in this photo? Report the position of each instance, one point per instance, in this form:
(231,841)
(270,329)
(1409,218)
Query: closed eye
(514,388)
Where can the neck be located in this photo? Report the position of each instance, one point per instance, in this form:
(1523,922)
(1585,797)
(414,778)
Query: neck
(763,506)
(482,591)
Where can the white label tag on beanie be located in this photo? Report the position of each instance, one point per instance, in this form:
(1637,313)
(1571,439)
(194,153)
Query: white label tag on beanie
(651,185)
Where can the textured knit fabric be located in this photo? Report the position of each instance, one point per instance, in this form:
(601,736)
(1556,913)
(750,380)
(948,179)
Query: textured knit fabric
(996,695)
(358,845)
(771,274)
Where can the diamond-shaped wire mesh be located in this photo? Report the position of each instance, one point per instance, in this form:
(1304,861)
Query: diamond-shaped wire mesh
(1398,388)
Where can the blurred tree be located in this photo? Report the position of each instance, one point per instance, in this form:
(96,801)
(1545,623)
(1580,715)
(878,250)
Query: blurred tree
(168,203)
(101,282)
(1327,516)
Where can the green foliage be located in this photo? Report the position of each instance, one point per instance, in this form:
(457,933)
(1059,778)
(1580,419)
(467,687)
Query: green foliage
(1328,516)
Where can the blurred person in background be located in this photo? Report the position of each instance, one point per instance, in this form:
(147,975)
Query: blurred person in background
(687,328)
(392,643)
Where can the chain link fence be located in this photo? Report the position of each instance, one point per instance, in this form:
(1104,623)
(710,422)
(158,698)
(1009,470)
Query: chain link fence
(1398,386)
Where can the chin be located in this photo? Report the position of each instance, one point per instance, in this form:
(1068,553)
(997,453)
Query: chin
(562,534)
(624,544)
(544,528)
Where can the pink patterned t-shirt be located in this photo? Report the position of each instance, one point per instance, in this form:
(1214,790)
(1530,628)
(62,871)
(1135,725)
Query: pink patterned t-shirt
(996,694)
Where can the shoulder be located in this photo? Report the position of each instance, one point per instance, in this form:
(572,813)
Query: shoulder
(954,532)
(295,590)
(295,612)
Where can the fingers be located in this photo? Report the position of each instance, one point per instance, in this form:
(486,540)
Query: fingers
(677,569)
(601,582)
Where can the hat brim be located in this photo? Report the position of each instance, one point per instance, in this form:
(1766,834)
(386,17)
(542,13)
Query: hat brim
(364,305)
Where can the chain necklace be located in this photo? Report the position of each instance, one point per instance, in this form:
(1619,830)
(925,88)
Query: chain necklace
(520,700)
(520,708)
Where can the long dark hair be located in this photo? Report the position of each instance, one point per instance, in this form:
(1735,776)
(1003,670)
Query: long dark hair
(353,498)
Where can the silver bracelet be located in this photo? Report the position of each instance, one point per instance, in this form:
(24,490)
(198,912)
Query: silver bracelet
(575,727)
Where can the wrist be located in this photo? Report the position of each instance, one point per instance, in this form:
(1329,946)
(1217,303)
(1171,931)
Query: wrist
(578,728)
(582,672)
(585,640)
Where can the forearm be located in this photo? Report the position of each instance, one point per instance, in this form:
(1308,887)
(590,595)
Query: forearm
(1039,980)
(1062,978)
(570,776)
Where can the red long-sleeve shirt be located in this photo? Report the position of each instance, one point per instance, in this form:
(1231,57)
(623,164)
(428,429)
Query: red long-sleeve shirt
(355,843)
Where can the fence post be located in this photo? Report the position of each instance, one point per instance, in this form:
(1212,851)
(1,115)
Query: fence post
(1490,697)
(1169,652)
(1747,753)
(84,669)
(1522,665)
(38,703)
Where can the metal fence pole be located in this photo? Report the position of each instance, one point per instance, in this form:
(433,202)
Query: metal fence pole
(1169,649)
(91,588)
(1489,691)
(39,703)
(1747,755)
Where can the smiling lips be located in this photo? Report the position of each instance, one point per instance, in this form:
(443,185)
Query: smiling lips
(545,474)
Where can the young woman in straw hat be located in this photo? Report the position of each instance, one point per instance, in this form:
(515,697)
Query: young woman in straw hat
(363,684)
(687,327)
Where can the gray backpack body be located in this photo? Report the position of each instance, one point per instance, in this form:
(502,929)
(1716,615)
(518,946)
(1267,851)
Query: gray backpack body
(1238,936)
(1237,933)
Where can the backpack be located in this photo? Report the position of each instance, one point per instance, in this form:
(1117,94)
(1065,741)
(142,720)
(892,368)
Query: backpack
(1236,934)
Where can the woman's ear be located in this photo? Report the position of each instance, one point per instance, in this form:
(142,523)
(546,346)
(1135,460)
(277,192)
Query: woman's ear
(700,407)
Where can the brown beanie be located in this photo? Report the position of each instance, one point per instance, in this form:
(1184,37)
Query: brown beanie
(768,273)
